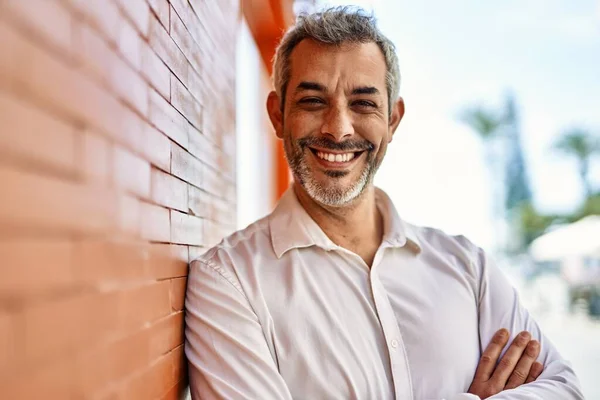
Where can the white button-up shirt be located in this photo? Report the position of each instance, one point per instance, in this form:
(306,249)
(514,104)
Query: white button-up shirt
(279,311)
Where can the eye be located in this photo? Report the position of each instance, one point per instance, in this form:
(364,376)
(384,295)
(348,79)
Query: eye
(311,101)
(364,104)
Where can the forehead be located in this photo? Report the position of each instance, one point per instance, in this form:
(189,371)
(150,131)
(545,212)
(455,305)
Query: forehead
(352,64)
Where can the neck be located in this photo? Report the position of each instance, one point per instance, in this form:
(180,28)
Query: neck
(357,226)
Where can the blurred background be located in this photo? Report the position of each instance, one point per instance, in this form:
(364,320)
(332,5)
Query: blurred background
(501,143)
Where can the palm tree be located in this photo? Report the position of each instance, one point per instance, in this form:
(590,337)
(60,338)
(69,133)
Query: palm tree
(582,145)
(486,123)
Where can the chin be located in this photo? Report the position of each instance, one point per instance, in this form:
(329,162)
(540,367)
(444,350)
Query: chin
(333,194)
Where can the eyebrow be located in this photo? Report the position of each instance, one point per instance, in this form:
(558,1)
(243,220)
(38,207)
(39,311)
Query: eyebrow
(303,86)
(365,90)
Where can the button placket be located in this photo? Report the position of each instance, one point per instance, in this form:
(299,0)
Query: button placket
(391,331)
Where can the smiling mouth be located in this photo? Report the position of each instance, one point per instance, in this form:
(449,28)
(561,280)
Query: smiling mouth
(335,158)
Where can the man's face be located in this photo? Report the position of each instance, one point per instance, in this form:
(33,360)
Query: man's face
(336,125)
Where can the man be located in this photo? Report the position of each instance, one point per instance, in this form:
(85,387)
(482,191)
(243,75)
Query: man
(333,296)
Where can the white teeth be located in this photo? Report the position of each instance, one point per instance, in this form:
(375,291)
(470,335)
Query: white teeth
(338,158)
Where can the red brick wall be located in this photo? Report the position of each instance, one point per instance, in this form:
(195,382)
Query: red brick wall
(117,149)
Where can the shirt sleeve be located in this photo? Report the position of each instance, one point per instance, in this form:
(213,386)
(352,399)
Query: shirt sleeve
(499,307)
(228,356)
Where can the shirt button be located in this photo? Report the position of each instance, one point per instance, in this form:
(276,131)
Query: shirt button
(394,343)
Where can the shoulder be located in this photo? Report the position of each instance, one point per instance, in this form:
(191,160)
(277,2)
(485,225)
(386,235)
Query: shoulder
(237,250)
(437,243)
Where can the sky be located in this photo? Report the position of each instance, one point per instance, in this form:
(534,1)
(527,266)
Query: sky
(460,53)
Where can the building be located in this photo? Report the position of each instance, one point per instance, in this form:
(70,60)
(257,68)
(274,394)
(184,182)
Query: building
(118,165)
(574,251)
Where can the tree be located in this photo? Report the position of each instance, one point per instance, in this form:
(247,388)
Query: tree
(582,145)
(518,190)
(486,123)
(502,127)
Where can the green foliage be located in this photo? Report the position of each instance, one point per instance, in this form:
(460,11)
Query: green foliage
(526,220)
(533,224)
(518,190)
(483,121)
(582,145)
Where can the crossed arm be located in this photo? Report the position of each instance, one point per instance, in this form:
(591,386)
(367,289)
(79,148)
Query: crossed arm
(499,306)
(219,320)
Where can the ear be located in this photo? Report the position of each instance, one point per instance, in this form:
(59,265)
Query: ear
(275,115)
(396,116)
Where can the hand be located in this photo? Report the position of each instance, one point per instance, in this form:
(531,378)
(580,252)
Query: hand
(517,366)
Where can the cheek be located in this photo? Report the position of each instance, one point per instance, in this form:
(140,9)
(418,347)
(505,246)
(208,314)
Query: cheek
(373,130)
(300,124)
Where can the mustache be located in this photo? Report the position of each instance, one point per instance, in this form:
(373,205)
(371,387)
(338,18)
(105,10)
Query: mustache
(326,143)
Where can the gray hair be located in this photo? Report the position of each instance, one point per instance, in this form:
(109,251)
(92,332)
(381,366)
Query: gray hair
(336,26)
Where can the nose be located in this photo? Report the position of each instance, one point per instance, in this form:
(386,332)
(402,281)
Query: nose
(337,123)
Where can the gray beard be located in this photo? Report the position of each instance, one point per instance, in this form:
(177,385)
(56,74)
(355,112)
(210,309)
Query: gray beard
(330,196)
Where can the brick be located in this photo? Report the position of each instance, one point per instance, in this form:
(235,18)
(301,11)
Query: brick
(153,382)
(8,335)
(169,191)
(213,233)
(167,50)
(64,206)
(177,293)
(130,45)
(181,389)
(201,147)
(166,334)
(155,223)
(53,379)
(36,265)
(143,304)
(179,362)
(167,119)
(162,11)
(102,260)
(131,129)
(138,12)
(199,202)
(50,21)
(168,261)
(68,324)
(129,215)
(156,72)
(129,85)
(110,363)
(156,147)
(197,87)
(131,172)
(186,166)
(183,101)
(217,184)
(185,42)
(103,15)
(119,360)
(224,212)
(178,391)
(94,52)
(95,157)
(186,229)
(195,252)
(62,88)
(189,18)
(34,136)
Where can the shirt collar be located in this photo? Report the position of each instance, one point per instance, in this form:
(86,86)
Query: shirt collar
(396,232)
(291,226)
